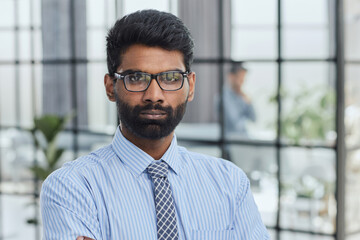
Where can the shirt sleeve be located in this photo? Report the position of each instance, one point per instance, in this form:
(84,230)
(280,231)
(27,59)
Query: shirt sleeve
(249,111)
(67,210)
(248,224)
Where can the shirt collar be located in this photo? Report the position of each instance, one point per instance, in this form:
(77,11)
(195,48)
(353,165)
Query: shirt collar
(137,160)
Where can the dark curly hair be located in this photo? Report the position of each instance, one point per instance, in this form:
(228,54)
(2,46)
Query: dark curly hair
(150,28)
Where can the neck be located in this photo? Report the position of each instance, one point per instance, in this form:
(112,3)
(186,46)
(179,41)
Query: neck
(155,148)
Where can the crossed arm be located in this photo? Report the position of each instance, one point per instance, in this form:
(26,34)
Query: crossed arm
(68,211)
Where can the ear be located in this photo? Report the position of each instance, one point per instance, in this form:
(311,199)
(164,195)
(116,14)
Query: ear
(192,80)
(109,87)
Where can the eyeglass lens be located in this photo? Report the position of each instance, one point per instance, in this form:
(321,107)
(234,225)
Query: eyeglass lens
(167,80)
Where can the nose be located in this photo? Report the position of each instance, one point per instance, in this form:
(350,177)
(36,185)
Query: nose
(154,93)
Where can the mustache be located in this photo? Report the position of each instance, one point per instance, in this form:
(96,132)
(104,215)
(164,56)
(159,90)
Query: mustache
(138,109)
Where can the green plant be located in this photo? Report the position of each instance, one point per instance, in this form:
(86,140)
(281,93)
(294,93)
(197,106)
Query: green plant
(44,133)
(307,115)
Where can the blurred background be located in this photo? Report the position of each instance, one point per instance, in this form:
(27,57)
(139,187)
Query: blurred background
(299,104)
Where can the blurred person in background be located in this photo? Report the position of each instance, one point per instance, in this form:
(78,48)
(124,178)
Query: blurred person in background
(143,185)
(238,108)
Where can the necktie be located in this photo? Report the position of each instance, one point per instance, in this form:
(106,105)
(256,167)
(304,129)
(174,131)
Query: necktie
(164,204)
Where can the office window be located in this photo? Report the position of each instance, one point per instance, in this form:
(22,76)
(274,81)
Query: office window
(254,33)
(8,47)
(7,13)
(306,29)
(308,190)
(15,226)
(308,100)
(352,117)
(259,164)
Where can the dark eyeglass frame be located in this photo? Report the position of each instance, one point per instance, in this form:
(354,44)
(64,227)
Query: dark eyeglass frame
(121,76)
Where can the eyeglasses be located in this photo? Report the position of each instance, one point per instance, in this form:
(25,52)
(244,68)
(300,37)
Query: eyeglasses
(140,81)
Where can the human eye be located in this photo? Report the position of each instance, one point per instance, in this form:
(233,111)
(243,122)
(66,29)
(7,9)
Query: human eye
(131,77)
(136,77)
(170,77)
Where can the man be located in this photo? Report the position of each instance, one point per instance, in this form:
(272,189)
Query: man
(143,185)
(238,107)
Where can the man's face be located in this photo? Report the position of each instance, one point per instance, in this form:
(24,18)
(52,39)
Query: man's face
(154,113)
(237,79)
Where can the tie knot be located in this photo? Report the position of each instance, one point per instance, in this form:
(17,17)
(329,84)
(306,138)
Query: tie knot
(158,169)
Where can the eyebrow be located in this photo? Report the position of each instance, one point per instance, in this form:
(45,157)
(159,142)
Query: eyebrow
(137,70)
(129,71)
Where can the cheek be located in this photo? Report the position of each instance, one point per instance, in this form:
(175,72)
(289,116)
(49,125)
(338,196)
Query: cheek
(186,89)
(185,96)
(185,92)
(123,97)
(175,98)
(126,96)
(132,99)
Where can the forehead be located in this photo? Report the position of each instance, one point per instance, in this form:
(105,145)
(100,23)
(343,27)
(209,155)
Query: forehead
(151,59)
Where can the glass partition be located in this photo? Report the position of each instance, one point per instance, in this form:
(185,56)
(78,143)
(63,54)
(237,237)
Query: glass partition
(16,210)
(17,156)
(308,190)
(352,118)
(308,103)
(303,236)
(254,34)
(8,95)
(307,32)
(259,164)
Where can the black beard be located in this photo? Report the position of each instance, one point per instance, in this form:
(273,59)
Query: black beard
(149,128)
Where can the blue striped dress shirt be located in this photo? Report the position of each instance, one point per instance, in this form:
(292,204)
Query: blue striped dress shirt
(108,194)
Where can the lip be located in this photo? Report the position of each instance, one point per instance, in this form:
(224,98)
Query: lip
(153,114)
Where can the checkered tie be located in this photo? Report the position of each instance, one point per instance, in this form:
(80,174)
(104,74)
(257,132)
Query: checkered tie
(165,209)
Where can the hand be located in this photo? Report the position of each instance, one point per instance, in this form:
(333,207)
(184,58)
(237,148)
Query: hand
(83,238)
(245,97)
